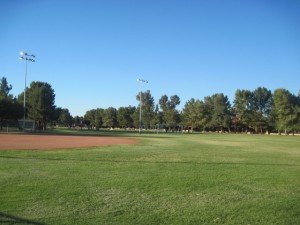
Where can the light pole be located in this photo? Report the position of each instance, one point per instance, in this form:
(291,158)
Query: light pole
(27,57)
(141,81)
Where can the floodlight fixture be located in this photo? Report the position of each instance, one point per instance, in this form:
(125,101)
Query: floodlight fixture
(141,80)
(26,54)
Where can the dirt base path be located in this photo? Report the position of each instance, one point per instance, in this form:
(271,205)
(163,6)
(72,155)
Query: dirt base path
(46,142)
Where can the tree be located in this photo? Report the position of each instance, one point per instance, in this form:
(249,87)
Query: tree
(163,102)
(296,122)
(174,101)
(262,100)
(78,122)
(285,110)
(214,113)
(124,116)
(244,107)
(147,107)
(40,101)
(63,117)
(98,119)
(158,116)
(191,113)
(171,116)
(94,118)
(110,117)
(10,109)
(136,118)
(207,113)
(5,88)
(89,118)
(221,112)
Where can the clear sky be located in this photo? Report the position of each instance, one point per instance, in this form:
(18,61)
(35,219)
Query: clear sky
(92,52)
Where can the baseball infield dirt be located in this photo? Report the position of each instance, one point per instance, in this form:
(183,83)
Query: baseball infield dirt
(47,142)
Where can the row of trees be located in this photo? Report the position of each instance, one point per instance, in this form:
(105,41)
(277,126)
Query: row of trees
(40,107)
(259,111)
(128,117)
(256,111)
(252,111)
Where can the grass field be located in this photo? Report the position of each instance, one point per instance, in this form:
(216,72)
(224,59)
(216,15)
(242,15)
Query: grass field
(164,179)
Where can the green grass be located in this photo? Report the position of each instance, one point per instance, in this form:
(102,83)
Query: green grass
(164,179)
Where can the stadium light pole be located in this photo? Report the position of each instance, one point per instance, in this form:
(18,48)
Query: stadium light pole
(141,81)
(27,57)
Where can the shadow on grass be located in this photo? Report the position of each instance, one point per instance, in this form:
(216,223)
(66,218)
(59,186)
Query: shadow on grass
(153,162)
(105,133)
(10,219)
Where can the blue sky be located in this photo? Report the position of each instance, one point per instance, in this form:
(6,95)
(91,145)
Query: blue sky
(92,52)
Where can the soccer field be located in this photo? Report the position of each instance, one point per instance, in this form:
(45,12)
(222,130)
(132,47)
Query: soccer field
(163,179)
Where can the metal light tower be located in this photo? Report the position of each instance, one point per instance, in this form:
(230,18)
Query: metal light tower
(141,81)
(27,57)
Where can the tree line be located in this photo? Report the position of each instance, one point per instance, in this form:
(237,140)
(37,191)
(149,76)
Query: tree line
(40,107)
(256,111)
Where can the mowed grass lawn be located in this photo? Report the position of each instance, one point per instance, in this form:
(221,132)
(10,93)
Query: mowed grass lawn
(164,179)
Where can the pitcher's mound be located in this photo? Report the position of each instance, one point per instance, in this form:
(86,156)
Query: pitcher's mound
(45,142)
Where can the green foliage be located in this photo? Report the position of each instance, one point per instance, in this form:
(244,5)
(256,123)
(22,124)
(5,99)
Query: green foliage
(258,111)
(40,99)
(147,107)
(285,109)
(253,109)
(193,114)
(10,108)
(170,116)
(5,88)
(221,112)
(110,117)
(157,117)
(213,113)
(94,118)
(263,101)
(63,117)
(164,179)
(125,116)
(244,107)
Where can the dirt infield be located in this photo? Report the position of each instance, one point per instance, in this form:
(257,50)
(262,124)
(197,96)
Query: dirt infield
(47,142)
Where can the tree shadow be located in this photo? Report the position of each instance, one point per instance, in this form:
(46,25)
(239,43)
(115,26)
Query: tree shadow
(10,219)
(107,133)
